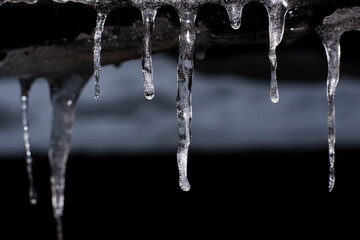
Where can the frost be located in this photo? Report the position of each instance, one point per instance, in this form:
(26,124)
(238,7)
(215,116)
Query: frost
(26,82)
(330,31)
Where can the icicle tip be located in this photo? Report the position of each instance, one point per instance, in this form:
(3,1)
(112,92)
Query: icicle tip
(184,184)
(149,95)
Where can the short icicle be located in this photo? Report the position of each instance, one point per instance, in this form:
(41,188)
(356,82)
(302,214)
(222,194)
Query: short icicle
(100,22)
(276,11)
(332,49)
(64,94)
(234,9)
(184,84)
(148,17)
(26,82)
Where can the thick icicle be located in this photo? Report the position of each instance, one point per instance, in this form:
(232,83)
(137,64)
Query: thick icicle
(100,22)
(148,17)
(64,94)
(234,10)
(183,99)
(26,82)
(277,10)
(333,56)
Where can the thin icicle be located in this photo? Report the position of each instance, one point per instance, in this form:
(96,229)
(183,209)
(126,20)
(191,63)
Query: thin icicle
(148,17)
(333,56)
(330,31)
(234,10)
(26,82)
(100,22)
(276,11)
(183,99)
(64,94)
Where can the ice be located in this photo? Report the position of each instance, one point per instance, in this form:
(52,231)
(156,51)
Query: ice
(183,98)
(100,21)
(333,56)
(26,82)
(18,1)
(148,17)
(277,10)
(234,10)
(64,94)
(331,30)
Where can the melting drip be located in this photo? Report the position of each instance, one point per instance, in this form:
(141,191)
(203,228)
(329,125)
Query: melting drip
(148,17)
(234,10)
(183,99)
(276,11)
(64,94)
(332,49)
(100,22)
(26,82)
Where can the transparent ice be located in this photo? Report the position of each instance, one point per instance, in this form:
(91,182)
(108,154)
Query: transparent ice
(331,30)
(100,22)
(148,17)
(64,93)
(26,82)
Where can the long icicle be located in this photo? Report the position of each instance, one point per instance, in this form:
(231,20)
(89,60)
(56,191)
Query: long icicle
(332,49)
(26,82)
(276,11)
(183,99)
(64,94)
(100,22)
(148,17)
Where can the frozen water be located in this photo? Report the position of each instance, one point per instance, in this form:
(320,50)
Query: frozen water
(64,90)
(333,56)
(26,82)
(183,98)
(234,10)
(148,16)
(100,21)
(18,1)
(333,26)
(276,11)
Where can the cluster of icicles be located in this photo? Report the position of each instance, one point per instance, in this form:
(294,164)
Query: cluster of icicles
(65,90)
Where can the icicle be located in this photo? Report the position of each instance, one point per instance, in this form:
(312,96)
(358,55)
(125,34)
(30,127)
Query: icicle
(277,11)
(100,22)
(26,82)
(333,56)
(148,17)
(64,94)
(234,10)
(330,31)
(183,99)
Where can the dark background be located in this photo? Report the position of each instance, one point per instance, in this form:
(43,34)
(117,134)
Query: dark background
(114,195)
